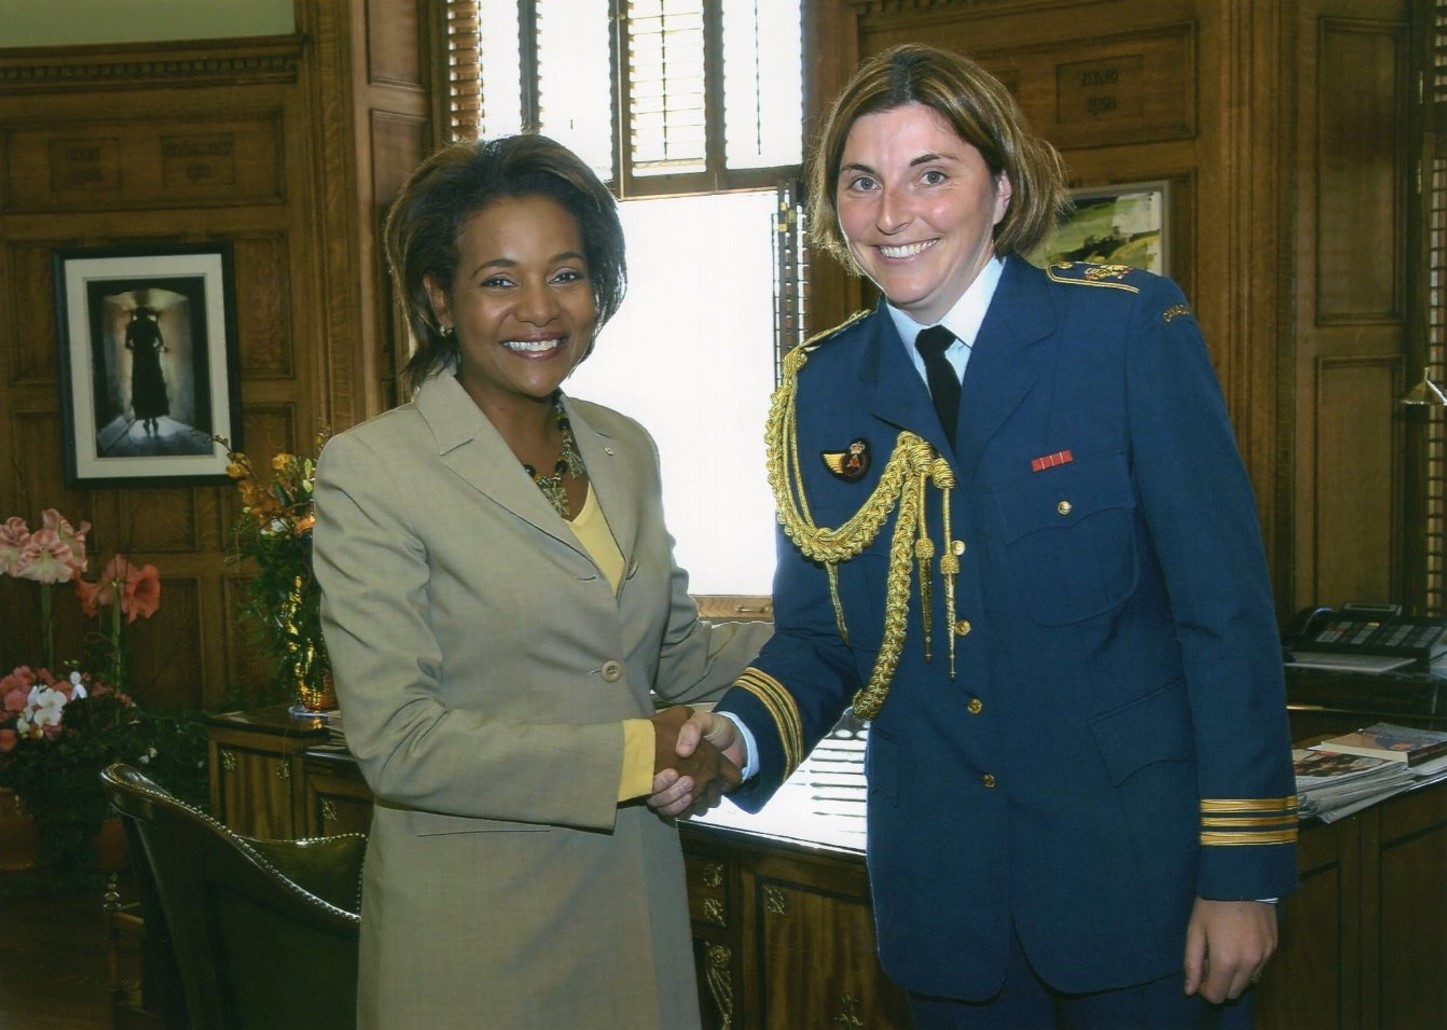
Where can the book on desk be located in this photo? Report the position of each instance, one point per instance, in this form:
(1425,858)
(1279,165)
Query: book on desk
(1389,742)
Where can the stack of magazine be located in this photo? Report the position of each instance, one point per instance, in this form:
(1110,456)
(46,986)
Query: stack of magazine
(1343,775)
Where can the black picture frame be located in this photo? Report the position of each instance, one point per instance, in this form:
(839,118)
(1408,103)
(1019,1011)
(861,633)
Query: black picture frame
(148,364)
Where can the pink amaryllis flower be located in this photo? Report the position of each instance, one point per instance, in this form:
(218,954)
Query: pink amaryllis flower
(14,537)
(72,537)
(55,553)
(136,588)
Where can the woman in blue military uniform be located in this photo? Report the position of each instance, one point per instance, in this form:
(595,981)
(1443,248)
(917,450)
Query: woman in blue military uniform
(1016,535)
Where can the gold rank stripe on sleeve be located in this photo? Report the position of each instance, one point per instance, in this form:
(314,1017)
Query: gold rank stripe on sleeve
(1234,822)
(782,708)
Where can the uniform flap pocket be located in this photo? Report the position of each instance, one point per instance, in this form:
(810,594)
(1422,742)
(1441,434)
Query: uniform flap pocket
(1061,497)
(1157,728)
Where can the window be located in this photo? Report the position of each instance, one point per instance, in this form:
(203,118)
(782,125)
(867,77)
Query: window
(686,96)
(1432,288)
(693,111)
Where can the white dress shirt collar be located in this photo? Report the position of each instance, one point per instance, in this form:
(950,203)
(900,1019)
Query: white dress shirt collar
(963,320)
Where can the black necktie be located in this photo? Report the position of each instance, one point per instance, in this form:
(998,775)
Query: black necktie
(944,384)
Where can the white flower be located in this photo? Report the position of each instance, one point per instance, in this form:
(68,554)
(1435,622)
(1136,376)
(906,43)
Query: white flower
(77,686)
(44,705)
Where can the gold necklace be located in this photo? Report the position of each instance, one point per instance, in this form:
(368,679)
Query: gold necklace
(569,463)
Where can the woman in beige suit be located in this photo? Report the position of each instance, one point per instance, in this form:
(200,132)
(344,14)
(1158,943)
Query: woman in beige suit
(501,606)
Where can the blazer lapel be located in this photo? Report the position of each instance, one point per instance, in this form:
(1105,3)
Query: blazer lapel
(1007,359)
(615,485)
(471,447)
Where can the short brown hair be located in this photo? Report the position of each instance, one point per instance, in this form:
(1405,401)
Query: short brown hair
(982,112)
(441,196)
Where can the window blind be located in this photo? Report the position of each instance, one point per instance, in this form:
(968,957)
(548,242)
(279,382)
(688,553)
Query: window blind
(463,79)
(1434,207)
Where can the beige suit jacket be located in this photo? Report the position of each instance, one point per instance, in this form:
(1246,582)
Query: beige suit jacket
(484,667)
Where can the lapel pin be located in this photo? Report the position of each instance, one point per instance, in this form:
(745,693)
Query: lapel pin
(851,464)
(1049,461)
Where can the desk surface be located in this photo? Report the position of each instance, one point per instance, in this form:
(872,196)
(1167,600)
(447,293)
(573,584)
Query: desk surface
(821,806)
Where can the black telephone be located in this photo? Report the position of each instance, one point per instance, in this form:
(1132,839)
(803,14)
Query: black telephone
(1367,629)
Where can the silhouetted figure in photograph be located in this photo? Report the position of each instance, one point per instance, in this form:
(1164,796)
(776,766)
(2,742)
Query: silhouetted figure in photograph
(148,385)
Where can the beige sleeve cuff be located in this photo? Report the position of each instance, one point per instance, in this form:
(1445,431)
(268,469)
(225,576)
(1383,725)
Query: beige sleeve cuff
(638,746)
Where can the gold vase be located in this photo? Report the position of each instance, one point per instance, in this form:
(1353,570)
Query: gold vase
(314,691)
(307,658)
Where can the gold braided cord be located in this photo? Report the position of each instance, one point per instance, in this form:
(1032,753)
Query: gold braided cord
(870,698)
(911,464)
(949,561)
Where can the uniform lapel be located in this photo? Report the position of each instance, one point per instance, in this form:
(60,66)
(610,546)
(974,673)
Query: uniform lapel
(900,397)
(1007,359)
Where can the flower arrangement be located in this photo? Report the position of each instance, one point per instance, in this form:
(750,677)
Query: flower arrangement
(58,729)
(274,531)
(57,734)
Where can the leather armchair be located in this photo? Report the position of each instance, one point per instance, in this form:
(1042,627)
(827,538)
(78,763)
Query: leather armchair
(263,933)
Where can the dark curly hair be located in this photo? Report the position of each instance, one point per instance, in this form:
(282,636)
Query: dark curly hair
(446,190)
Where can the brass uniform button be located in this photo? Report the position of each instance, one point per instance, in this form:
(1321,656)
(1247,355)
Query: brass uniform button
(988,780)
(962,628)
(976,706)
(958,546)
(1064,507)
(612,671)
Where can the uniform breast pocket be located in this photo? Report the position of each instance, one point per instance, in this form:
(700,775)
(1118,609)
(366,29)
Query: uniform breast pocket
(1070,538)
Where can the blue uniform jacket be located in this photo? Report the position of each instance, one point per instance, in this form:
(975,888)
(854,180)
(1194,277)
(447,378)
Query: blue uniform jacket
(1114,741)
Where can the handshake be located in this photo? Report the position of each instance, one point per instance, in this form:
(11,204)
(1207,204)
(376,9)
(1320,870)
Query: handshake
(696,758)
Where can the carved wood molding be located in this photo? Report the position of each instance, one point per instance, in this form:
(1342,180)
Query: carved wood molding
(721,983)
(50,70)
(873,8)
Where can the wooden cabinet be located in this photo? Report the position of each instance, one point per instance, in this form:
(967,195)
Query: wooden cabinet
(335,798)
(274,775)
(1362,941)
(783,934)
(257,776)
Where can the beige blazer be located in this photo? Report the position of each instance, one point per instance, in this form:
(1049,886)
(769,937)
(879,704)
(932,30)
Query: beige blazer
(484,667)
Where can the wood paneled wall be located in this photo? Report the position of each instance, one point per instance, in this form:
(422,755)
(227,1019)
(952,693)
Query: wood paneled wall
(1281,126)
(310,135)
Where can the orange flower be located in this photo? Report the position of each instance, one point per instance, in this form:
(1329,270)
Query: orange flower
(138,589)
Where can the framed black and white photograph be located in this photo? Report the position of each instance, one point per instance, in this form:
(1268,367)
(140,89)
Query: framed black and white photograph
(148,364)
(1126,224)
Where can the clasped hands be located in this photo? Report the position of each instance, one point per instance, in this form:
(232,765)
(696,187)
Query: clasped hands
(696,758)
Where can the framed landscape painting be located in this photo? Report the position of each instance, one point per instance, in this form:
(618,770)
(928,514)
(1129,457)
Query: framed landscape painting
(1114,225)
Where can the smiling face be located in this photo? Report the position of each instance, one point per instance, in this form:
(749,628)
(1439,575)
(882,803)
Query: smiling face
(917,206)
(521,301)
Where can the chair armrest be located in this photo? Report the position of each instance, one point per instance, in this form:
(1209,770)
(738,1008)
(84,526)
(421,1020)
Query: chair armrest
(328,867)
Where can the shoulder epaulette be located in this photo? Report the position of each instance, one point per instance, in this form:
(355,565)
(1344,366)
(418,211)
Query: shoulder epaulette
(1084,273)
(819,339)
